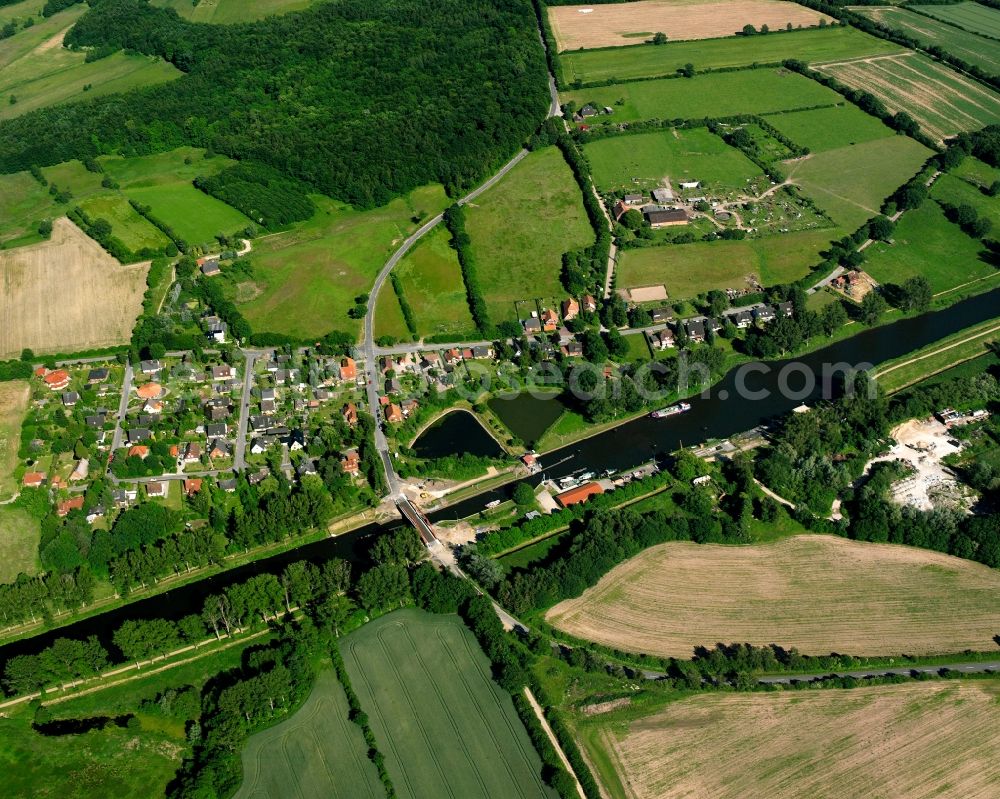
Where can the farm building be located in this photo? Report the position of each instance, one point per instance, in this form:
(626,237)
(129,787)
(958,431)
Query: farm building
(579,494)
(665,217)
(664,195)
(634,199)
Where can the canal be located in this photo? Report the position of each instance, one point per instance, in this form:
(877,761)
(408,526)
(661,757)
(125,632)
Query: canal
(721,414)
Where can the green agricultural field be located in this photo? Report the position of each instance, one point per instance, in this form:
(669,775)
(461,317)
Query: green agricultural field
(23,204)
(14,396)
(317,752)
(643,160)
(830,128)
(925,243)
(36,71)
(389,319)
(971,48)
(976,172)
(432,282)
(941,100)
(19,12)
(955,191)
(181,164)
(306,278)
(971,16)
(520,229)
(688,270)
(646,61)
(131,229)
(851,183)
(225,12)
(195,216)
(19,535)
(752,91)
(444,726)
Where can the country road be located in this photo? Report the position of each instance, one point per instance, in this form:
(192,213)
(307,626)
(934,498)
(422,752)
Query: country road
(251,356)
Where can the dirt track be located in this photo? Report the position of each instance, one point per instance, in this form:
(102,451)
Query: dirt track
(612,24)
(66,294)
(820,594)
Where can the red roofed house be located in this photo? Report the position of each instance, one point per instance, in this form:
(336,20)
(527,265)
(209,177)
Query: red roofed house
(350,413)
(589,303)
(33,479)
(139,450)
(619,210)
(550,321)
(41,371)
(57,380)
(393,413)
(76,503)
(175,450)
(351,462)
(149,391)
(348,369)
(579,494)
(192,486)
(570,309)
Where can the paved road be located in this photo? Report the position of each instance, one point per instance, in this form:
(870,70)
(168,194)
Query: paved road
(964,668)
(240,461)
(116,439)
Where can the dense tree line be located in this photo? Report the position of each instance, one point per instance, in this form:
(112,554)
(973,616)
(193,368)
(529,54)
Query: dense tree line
(268,197)
(584,270)
(454,220)
(404,304)
(360,101)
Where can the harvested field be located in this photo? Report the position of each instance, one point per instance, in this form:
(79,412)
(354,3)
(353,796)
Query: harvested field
(613,24)
(66,294)
(820,594)
(917,740)
(941,100)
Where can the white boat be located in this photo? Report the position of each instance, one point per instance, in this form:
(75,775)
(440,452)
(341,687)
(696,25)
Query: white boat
(492,504)
(671,410)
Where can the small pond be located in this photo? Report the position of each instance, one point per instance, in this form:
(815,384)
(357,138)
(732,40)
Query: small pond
(527,416)
(456,433)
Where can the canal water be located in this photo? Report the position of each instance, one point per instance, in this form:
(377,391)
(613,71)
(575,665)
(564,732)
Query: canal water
(721,414)
(456,433)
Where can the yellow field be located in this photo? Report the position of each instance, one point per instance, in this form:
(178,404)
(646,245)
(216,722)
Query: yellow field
(66,295)
(13,403)
(820,594)
(917,740)
(613,24)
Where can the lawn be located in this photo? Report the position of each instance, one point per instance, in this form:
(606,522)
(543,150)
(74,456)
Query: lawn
(934,740)
(970,16)
(19,535)
(830,128)
(925,243)
(688,270)
(306,278)
(444,726)
(520,229)
(643,160)
(195,216)
(851,183)
(752,91)
(132,230)
(647,61)
(432,282)
(37,71)
(941,100)
(955,191)
(316,752)
(14,397)
(965,44)
(820,594)
(225,12)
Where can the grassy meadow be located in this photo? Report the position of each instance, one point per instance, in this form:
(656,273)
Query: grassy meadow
(965,44)
(306,278)
(648,61)
(14,396)
(227,12)
(970,16)
(23,204)
(925,243)
(444,726)
(850,183)
(753,91)
(940,99)
(825,129)
(432,282)
(195,216)
(316,752)
(688,270)
(520,229)
(131,229)
(956,191)
(19,535)
(643,160)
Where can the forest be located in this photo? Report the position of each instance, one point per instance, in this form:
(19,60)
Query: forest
(362,101)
